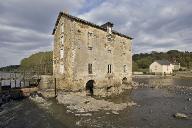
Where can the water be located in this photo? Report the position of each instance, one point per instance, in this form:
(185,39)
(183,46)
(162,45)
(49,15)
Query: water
(167,81)
(155,110)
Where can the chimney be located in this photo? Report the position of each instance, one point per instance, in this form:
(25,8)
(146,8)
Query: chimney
(108,26)
(65,11)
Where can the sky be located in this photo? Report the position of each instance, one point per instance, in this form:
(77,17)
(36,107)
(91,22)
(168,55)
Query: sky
(156,25)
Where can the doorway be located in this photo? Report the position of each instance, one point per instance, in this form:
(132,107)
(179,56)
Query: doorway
(89,87)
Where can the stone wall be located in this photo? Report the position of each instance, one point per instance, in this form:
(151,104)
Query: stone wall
(46,82)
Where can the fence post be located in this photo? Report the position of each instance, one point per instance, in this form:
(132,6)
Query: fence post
(24,78)
(55,87)
(15,81)
(10,79)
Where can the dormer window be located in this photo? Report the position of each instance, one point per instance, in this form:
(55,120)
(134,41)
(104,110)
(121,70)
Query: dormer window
(108,26)
(109,30)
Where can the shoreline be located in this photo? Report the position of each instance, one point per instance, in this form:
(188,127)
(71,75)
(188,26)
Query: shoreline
(160,76)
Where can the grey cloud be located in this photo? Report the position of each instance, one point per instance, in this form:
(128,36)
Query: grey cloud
(26,26)
(155,25)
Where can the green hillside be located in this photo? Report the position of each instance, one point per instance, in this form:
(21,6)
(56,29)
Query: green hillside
(39,62)
(9,68)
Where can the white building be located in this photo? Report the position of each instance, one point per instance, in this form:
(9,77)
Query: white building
(161,67)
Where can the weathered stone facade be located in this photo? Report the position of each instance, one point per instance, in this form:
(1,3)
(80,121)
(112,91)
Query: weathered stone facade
(85,51)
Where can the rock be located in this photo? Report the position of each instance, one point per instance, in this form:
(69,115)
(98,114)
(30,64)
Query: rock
(37,99)
(78,123)
(189,99)
(40,101)
(180,116)
(68,111)
(85,114)
(115,112)
(1,101)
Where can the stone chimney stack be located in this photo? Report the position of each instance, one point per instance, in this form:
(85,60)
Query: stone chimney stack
(65,11)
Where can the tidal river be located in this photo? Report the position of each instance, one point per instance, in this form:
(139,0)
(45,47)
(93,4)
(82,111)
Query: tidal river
(155,109)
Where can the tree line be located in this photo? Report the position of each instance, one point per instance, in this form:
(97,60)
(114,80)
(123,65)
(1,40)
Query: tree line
(40,63)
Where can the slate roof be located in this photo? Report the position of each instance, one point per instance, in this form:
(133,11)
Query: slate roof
(163,62)
(85,22)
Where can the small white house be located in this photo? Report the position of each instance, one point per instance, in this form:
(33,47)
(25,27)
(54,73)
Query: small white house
(161,67)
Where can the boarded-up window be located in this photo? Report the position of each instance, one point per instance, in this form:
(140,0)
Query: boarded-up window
(61,54)
(61,68)
(109,68)
(90,69)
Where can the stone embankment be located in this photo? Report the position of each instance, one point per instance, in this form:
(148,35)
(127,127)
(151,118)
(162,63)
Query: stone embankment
(169,87)
(110,91)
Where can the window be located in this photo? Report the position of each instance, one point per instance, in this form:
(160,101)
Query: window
(90,39)
(62,28)
(109,68)
(155,67)
(109,51)
(61,68)
(90,69)
(90,48)
(61,54)
(109,30)
(124,68)
(62,40)
(54,61)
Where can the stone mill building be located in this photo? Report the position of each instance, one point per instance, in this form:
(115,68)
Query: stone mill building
(84,51)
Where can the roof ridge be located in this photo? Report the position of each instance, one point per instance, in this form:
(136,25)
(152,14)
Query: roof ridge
(86,22)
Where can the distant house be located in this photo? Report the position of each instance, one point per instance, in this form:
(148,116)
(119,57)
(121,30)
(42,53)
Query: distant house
(161,67)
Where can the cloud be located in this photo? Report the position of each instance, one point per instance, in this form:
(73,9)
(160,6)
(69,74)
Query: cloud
(155,25)
(26,25)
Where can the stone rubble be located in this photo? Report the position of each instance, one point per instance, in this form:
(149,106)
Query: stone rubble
(81,103)
(180,116)
(40,101)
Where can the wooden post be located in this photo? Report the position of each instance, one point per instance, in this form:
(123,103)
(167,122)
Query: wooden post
(10,79)
(24,78)
(15,81)
(55,87)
